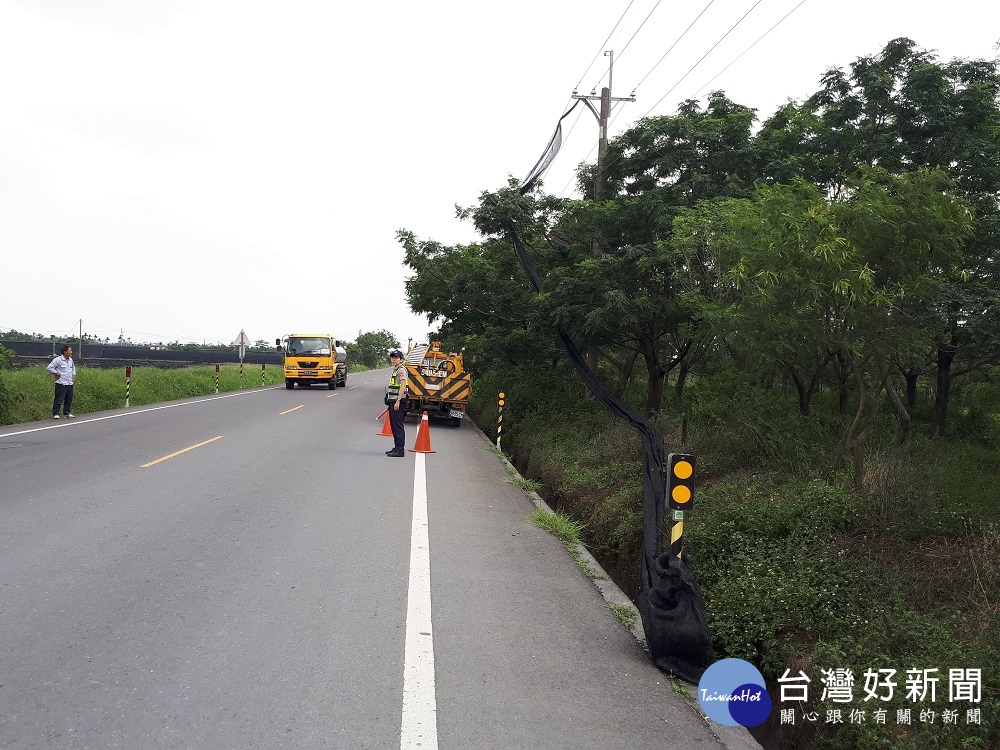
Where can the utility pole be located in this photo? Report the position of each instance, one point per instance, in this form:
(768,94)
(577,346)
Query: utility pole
(602,149)
(602,127)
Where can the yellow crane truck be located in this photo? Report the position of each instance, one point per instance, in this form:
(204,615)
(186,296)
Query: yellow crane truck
(436,382)
(313,358)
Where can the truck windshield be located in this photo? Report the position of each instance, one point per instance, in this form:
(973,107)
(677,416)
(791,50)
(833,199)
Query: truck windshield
(309,345)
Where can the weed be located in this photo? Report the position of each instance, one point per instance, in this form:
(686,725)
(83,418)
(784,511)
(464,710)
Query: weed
(528,485)
(587,569)
(680,687)
(561,526)
(626,614)
(567,531)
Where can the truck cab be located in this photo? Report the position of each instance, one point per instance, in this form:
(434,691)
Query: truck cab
(313,358)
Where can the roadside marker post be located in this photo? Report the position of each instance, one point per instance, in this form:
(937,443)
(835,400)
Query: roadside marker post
(216,378)
(262,366)
(128,382)
(500,402)
(680,495)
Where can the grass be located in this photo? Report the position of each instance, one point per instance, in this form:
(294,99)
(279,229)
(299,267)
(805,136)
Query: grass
(680,687)
(561,526)
(29,391)
(567,531)
(98,389)
(527,485)
(626,614)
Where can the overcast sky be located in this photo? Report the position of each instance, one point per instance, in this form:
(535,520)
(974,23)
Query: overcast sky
(185,169)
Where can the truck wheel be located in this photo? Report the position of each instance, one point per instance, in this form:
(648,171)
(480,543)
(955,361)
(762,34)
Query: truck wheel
(289,384)
(456,421)
(332,385)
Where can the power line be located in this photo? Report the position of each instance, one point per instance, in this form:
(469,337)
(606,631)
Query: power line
(702,58)
(622,52)
(676,42)
(730,64)
(693,67)
(601,48)
(736,59)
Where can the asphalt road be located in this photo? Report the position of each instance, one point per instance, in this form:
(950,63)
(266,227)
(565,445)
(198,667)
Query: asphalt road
(236,571)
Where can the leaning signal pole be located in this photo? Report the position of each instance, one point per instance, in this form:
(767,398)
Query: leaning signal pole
(602,148)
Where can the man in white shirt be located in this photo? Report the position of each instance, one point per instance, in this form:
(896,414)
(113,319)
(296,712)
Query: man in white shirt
(65,373)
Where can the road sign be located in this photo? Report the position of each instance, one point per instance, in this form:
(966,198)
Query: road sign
(242,341)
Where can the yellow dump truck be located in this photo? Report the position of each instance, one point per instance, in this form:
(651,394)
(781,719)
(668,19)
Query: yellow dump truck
(436,382)
(313,358)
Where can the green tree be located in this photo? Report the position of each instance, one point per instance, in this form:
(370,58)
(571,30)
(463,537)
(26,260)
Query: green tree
(478,292)
(373,347)
(904,110)
(627,298)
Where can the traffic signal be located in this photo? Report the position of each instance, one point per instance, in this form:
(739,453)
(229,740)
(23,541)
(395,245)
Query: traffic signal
(680,481)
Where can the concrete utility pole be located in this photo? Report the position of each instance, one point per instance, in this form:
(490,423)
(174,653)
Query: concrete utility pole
(602,126)
(602,149)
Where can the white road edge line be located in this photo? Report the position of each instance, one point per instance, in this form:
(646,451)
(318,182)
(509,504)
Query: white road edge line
(419,723)
(78,422)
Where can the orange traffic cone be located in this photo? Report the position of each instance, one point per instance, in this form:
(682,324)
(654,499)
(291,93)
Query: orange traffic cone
(423,444)
(386,427)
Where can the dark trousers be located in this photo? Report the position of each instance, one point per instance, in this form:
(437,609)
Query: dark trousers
(64,398)
(396,423)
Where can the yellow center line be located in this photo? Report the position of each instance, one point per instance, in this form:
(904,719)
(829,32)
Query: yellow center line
(177,453)
(292,409)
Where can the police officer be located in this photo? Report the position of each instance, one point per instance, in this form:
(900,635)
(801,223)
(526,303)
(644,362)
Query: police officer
(396,401)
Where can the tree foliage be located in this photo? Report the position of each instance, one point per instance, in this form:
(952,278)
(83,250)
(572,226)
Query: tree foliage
(372,348)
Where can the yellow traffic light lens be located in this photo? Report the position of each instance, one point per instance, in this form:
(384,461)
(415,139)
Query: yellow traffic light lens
(683,470)
(681,494)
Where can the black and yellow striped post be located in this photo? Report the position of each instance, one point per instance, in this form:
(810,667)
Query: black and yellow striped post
(216,378)
(262,366)
(128,382)
(501,398)
(680,495)
(241,374)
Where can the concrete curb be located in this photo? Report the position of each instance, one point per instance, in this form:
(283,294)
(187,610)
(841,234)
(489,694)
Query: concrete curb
(732,738)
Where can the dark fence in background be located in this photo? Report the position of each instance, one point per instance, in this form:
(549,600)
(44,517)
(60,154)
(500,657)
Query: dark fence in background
(98,355)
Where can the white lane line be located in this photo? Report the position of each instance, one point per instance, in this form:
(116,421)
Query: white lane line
(419,725)
(78,422)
